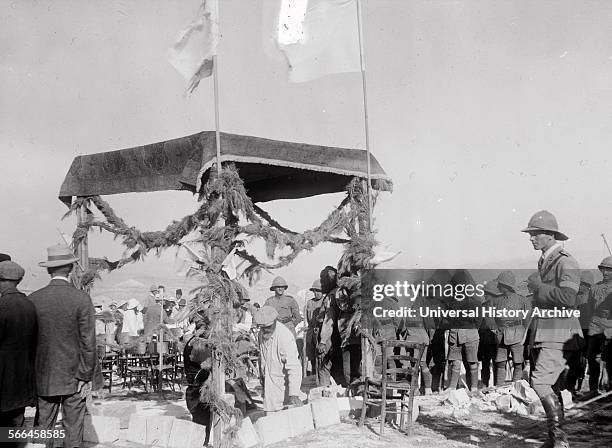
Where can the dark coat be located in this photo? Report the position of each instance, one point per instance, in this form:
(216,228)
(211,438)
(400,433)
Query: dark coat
(17,351)
(66,349)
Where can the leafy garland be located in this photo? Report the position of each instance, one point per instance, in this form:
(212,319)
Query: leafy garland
(224,203)
(225,195)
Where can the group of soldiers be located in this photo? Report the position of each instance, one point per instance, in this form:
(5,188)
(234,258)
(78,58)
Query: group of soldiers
(557,349)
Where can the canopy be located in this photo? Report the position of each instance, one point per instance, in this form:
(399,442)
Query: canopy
(270,169)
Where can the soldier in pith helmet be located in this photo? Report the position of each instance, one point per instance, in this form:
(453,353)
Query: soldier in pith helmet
(554,340)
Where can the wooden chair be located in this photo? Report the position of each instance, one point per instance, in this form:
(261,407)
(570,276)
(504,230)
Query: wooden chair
(108,363)
(166,370)
(179,369)
(138,367)
(393,386)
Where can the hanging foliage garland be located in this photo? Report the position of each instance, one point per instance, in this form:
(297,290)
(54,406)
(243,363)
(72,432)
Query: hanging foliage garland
(224,205)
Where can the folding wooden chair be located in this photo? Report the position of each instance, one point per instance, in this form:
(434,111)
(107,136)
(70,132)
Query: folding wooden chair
(392,387)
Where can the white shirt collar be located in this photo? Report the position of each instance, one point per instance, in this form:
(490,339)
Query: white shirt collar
(60,277)
(551,249)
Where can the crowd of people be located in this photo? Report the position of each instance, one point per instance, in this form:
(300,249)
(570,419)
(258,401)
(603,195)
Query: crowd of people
(48,340)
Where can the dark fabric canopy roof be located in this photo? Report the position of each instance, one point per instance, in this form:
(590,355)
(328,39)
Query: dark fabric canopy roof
(270,169)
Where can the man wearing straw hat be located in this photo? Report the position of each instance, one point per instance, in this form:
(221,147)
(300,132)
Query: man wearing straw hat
(66,351)
(554,340)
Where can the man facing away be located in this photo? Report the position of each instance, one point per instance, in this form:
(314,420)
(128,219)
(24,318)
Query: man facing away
(66,351)
(280,369)
(554,340)
(600,327)
(17,347)
(510,331)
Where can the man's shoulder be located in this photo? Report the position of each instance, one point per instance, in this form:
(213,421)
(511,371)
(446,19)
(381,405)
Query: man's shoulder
(567,261)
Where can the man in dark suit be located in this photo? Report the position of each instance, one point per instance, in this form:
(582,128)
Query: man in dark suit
(17,347)
(66,351)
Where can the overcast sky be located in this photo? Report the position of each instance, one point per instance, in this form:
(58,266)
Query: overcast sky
(482,112)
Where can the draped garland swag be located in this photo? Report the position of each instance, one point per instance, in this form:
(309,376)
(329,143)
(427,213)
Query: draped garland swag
(228,220)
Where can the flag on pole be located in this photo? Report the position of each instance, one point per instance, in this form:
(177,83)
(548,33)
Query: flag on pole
(192,54)
(319,37)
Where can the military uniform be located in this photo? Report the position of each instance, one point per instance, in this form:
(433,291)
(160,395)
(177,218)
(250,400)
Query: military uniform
(555,340)
(315,313)
(510,333)
(600,330)
(288,310)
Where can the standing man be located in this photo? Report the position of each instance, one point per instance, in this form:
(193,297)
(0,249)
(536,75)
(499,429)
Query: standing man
(66,351)
(554,340)
(600,326)
(487,346)
(510,331)
(286,306)
(315,313)
(17,347)
(279,365)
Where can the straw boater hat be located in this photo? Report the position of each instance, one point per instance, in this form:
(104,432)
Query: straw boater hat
(59,255)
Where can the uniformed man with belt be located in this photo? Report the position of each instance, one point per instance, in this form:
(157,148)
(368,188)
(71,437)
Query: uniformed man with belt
(600,325)
(510,331)
(286,306)
(554,340)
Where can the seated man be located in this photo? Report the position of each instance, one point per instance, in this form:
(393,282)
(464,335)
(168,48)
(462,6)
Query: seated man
(280,369)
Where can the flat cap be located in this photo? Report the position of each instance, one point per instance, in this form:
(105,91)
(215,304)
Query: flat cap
(265,316)
(9,270)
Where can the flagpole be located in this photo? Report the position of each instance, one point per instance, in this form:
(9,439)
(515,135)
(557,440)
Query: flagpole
(365,114)
(216,95)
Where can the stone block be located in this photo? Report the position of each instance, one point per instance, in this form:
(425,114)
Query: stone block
(186,434)
(458,397)
(158,430)
(246,437)
(398,406)
(122,411)
(100,429)
(300,420)
(566,395)
(344,406)
(137,429)
(273,428)
(320,392)
(325,412)
(522,389)
(503,403)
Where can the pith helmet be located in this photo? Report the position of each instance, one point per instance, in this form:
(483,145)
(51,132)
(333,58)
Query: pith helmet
(507,279)
(544,220)
(606,263)
(587,277)
(491,288)
(316,285)
(278,282)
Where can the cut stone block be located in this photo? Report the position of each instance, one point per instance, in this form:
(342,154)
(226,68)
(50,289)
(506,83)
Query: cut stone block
(300,420)
(180,434)
(398,416)
(186,434)
(325,412)
(246,437)
(320,392)
(344,406)
(122,411)
(137,429)
(458,397)
(503,403)
(100,429)
(273,428)
(566,395)
(158,430)
(522,389)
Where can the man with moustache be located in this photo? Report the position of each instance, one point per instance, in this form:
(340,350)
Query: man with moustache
(554,340)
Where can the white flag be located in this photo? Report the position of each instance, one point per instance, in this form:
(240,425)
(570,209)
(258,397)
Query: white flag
(192,53)
(319,37)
